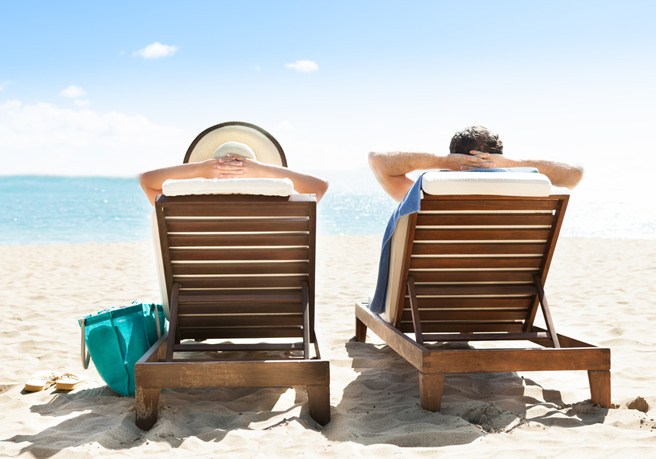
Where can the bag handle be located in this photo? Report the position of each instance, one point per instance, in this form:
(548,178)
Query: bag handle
(84,352)
(159,332)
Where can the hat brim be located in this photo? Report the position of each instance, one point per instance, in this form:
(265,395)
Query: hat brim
(266,147)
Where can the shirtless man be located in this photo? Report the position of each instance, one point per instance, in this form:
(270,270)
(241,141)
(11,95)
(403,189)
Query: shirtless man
(473,148)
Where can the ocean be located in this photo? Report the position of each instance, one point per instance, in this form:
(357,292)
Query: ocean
(47,210)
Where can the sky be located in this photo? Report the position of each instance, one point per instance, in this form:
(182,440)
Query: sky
(116,88)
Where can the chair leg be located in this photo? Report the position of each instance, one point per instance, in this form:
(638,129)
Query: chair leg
(431,386)
(360,331)
(600,387)
(146,407)
(319,402)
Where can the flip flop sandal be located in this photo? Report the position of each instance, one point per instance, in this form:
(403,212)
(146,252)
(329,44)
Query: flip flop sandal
(68,381)
(41,380)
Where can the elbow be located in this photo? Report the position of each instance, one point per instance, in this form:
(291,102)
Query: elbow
(143,181)
(322,189)
(151,193)
(374,160)
(579,174)
(576,177)
(146,180)
(376,164)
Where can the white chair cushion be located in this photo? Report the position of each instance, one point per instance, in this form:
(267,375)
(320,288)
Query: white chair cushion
(511,183)
(257,186)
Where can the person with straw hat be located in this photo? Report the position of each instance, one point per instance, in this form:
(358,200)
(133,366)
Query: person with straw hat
(232,150)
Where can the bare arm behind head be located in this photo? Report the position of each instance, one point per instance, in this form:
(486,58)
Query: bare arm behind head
(390,169)
(151,181)
(230,167)
(560,174)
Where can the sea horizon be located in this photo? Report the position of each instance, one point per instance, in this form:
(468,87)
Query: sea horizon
(41,209)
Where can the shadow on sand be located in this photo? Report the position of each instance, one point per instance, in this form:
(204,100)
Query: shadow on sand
(379,406)
(98,415)
(382,404)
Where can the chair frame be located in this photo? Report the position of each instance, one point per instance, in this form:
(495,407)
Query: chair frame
(225,291)
(556,352)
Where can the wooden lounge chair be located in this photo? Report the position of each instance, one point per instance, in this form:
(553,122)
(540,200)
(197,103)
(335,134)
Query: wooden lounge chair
(471,266)
(238,272)
(240,269)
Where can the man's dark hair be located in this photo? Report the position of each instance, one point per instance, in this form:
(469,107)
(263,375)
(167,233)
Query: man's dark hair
(476,138)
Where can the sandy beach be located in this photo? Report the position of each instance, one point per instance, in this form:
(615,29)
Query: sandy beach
(600,291)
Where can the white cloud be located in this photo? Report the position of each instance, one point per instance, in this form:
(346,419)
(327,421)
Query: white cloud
(77,94)
(73,92)
(304,66)
(157,50)
(44,138)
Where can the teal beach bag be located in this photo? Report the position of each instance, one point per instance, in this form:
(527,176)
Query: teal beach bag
(116,338)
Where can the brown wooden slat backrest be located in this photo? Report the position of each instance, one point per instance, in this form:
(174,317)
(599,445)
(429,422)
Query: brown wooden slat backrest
(474,260)
(240,262)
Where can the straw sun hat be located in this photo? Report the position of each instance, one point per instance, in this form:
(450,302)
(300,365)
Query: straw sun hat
(236,137)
